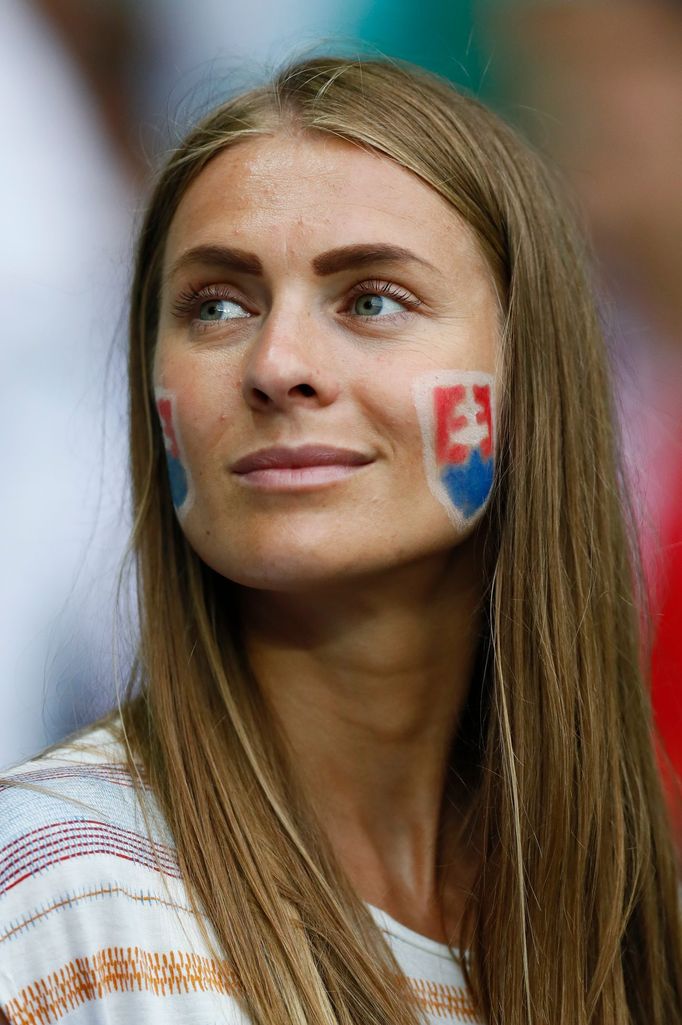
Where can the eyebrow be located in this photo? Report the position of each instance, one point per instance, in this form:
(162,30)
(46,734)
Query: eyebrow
(331,262)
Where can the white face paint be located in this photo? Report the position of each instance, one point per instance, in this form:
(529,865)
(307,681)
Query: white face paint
(182,491)
(456,411)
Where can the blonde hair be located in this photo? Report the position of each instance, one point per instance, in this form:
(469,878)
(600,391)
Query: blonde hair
(574,915)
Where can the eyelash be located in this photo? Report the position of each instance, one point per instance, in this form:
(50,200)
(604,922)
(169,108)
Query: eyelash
(186,301)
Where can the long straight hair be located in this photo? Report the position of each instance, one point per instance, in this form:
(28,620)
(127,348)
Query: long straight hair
(574,915)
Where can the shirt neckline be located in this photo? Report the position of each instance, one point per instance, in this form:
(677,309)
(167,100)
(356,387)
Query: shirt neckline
(415,939)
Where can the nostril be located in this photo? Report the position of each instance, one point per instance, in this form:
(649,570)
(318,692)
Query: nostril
(280,395)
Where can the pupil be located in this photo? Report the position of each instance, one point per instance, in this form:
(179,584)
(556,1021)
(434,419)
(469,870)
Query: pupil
(212,310)
(371,303)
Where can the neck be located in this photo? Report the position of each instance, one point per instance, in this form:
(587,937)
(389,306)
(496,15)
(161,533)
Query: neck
(368,682)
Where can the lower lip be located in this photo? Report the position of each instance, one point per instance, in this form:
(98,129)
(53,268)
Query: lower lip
(298,478)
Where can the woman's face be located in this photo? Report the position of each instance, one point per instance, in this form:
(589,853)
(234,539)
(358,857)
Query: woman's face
(325,363)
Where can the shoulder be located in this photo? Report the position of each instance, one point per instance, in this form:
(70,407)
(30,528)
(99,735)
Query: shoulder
(95,921)
(75,809)
(73,800)
(90,886)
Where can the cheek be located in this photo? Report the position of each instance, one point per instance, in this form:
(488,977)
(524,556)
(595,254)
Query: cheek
(456,411)
(205,393)
(181,485)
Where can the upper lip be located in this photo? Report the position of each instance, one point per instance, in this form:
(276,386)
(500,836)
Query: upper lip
(281,457)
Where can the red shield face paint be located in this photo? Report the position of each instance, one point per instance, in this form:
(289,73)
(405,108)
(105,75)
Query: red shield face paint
(456,413)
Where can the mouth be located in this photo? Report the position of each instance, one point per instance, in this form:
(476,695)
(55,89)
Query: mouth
(291,469)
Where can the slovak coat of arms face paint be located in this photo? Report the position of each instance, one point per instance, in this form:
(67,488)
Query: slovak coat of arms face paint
(456,411)
(178,476)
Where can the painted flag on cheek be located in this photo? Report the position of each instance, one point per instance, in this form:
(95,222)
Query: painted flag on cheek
(177,474)
(464,444)
(456,415)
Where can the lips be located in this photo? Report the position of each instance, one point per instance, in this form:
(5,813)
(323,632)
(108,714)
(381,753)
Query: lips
(282,458)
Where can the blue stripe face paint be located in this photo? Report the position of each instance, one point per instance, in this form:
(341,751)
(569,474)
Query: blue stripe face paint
(456,412)
(178,476)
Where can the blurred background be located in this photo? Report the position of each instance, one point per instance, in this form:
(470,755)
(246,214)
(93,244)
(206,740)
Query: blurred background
(94,92)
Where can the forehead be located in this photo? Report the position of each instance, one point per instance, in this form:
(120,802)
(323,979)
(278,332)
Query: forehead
(316,191)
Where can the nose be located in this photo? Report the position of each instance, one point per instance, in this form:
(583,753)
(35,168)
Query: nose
(286,367)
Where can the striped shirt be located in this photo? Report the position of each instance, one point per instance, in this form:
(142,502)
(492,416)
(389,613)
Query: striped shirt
(95,922)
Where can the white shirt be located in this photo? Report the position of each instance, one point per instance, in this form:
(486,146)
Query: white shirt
(95,922)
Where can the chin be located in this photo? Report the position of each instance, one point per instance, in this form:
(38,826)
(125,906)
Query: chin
(316,553)
(311,570)
(296,568)
(278,565)
(291,575)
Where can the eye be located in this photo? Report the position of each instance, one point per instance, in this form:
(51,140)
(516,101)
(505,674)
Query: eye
(213,304)
(379,300)
(373,305)
(221,309)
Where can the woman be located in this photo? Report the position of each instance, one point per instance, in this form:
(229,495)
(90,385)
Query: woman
(390,740)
